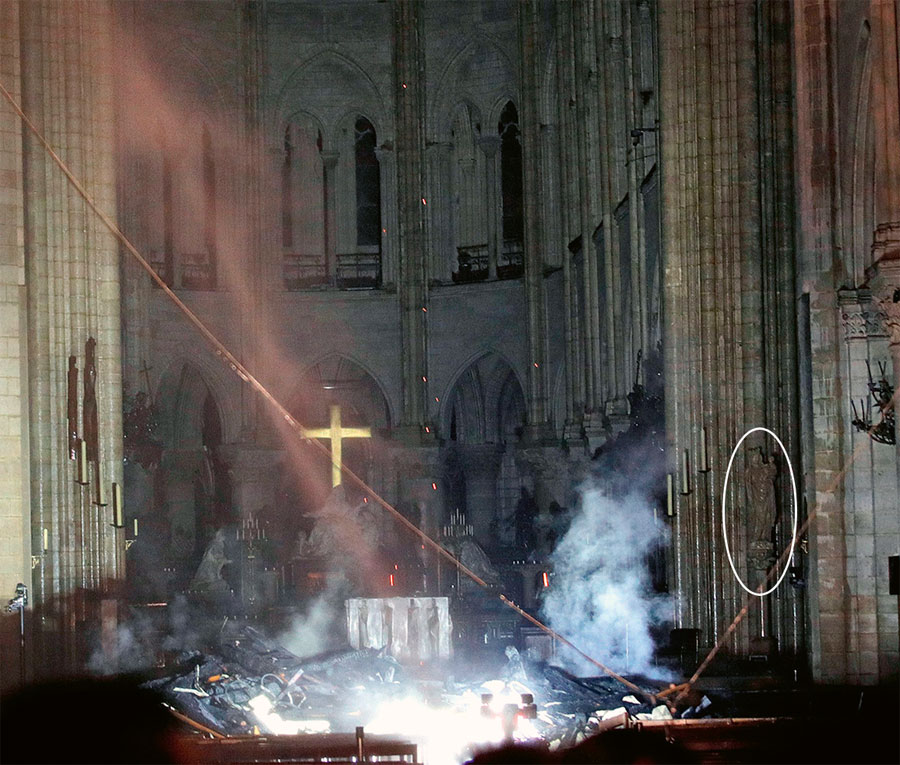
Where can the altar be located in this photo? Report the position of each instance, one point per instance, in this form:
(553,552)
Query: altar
(411,629)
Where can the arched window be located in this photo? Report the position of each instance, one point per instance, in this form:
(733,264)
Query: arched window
(287,194)
(195,224)
(368,186)
(168,268)
(470,211)
(511,175)
(303,223)
(209,207)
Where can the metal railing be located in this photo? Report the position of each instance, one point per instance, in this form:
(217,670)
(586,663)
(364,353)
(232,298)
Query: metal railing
(188,271)
(512,260)
(301,271)
(471,264)
(358,271)
(353,271)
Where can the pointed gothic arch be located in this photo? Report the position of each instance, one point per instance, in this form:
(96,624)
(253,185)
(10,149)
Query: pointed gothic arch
(483,402)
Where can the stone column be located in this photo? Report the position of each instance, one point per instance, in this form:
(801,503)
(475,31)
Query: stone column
(248,244)
(885,284)
(813,86)
(886,107)
(389,233)
(569,223)
(588,141)
(440,243)
(409,97)
(329,204)
(530,47)
(493,201)
(72,277)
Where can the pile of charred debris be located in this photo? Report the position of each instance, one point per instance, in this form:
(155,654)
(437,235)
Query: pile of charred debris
(250,685)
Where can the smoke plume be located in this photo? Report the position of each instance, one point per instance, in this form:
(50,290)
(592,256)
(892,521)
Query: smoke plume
(601,597)
(321,628)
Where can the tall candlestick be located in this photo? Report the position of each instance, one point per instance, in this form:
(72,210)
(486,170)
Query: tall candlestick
(45,539)
(670,496)
(118,507)
(99,486)
(81,466)
(685,477)
(135,527)
(704,465)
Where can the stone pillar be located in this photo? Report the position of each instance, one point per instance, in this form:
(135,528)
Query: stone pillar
(729,288)
(886,107)
(588,141)
(608,376)
(15,522)
(389,232)
(530,47)
(885,283)
(815,136)
(440,239)
(248,245)
(493,201)
(72,278)
(409,97)
(569,223)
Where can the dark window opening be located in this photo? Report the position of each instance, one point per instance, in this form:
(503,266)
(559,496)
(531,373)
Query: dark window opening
(511,175)
(368,186)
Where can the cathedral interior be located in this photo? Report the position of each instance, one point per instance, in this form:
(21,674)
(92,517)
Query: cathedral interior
(567,325)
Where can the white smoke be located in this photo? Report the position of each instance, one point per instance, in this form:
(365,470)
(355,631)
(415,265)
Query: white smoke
(601,596)
(321,628)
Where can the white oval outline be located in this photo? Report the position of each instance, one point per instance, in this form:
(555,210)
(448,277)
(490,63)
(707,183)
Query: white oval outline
(725,497)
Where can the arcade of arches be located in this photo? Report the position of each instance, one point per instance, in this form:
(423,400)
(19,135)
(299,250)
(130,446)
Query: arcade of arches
(492,249)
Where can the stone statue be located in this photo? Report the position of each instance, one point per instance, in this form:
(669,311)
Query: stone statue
(89,404)
(470,554)
(762,508)
(208,578)
(343,541)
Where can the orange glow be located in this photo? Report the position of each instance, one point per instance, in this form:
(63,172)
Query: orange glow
(392,580)
(546,579)
(434,486)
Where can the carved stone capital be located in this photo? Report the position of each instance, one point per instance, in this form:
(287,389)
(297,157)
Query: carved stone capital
(884,281)
(861,317)
(489,144)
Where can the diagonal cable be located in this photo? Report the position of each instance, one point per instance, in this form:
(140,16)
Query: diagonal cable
(222,351)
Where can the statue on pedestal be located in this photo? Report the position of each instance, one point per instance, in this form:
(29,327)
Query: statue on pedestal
(762,512)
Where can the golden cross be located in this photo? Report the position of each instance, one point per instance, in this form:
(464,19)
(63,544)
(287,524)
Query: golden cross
(336,433)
